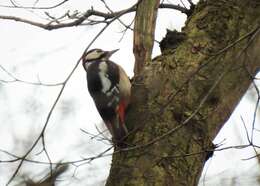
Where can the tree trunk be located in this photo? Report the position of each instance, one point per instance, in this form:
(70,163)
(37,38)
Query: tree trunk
(185,96)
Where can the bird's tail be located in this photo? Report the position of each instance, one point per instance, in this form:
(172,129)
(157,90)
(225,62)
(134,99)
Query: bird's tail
(120,130)
(117,126)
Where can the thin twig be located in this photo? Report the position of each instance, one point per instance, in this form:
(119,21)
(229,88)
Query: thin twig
(191,3)
(15,79)
(86,15)
(33,7)
(247,135)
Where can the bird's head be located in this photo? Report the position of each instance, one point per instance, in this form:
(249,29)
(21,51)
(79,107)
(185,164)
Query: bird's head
(97,55)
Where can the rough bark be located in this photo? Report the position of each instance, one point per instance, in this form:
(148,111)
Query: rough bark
(185,96)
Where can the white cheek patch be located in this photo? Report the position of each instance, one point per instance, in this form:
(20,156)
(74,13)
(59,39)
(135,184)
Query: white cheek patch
(106,83)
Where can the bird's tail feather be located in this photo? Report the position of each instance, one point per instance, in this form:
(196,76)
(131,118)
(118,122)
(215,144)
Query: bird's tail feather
(119,129)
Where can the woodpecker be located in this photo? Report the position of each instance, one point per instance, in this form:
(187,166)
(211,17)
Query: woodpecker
(110,88)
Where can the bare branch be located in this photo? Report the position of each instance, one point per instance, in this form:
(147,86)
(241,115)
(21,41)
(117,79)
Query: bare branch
(175,7)
(183,4)
(13,3)
(144,33)
(103,154)
(99,137)
(126,26)
(191,3)
(77,22)
(15,79)
(46,152)
(244,125)
(35,3)
(33,7)
(91,12)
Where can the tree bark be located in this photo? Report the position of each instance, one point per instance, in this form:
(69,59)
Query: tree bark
(186,95)
(145,21)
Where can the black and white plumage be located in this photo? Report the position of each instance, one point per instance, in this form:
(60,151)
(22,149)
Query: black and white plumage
(110,88)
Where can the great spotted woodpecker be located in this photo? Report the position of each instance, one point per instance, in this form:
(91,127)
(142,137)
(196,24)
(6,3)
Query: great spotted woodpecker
(110,89)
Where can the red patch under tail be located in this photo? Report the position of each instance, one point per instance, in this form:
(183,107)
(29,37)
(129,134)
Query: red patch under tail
(121,112)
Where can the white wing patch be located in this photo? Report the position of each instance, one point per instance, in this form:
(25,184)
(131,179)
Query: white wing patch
(115,98)
(106,83)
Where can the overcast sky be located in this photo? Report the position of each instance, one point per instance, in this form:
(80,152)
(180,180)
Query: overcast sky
(34,54)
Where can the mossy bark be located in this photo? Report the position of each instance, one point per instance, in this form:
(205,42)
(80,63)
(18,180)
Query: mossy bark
(184,96)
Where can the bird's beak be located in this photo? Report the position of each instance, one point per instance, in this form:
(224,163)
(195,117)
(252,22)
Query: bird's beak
(110,53)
